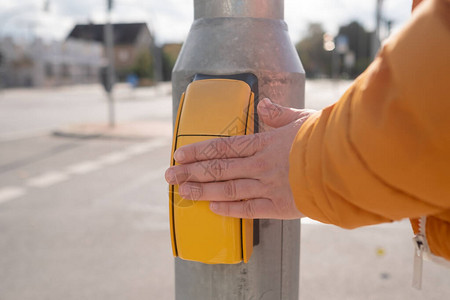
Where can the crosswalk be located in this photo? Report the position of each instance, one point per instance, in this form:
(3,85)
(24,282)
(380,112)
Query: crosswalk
(54,177)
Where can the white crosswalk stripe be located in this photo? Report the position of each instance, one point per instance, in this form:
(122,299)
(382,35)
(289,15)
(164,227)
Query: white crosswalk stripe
(47,179)
(11,192)
(51,178)
(84,167)
(146,147)
(113,158)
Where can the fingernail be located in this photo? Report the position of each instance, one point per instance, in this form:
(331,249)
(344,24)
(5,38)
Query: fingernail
(170,176)
(179,155)
(213,205)
(266,101)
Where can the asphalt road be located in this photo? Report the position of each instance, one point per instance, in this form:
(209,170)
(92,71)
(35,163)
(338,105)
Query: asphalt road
(83,218)
(88,218)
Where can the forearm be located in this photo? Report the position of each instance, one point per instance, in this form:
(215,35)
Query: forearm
(381,152)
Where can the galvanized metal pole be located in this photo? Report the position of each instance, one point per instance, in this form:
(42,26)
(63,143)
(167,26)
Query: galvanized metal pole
(231,37)
(109,48)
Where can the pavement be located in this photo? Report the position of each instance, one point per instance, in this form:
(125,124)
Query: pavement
(132,130)
(83,210)
(83,111)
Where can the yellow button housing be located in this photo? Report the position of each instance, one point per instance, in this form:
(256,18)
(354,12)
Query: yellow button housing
(210,109)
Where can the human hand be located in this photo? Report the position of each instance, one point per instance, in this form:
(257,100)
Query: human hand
(248,177)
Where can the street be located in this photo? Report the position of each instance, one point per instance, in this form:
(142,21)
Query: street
(86,217)
(82,218)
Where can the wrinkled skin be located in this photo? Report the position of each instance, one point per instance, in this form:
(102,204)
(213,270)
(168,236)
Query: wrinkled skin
(245,176)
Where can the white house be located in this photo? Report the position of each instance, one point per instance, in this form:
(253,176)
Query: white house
(49,64)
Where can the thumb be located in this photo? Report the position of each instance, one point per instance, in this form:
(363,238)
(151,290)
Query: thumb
(276,115)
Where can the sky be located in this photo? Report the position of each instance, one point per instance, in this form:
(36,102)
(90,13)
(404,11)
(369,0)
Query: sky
(170,20)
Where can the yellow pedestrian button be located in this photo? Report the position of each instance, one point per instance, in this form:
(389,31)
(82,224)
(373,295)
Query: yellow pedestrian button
(212,107)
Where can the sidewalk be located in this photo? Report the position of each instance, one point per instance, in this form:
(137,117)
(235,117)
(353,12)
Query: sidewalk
(320,93)
(373,262)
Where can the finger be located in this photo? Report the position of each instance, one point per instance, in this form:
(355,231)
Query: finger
(230,190)
(247,209)
(217,170)
(276,115)
(220,148)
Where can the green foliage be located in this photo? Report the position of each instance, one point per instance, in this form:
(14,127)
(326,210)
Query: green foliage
(359,42)
(170,54)
(318,62)
(315,60)
(143,66)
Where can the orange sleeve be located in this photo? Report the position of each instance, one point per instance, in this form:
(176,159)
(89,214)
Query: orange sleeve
(382,152)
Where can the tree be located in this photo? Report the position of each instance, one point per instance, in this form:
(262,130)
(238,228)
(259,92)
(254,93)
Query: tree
(318,62)
(315,60)
(359,42)
(143,66)
(170,55)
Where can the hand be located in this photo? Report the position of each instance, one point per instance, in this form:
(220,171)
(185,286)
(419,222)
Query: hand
(248,176)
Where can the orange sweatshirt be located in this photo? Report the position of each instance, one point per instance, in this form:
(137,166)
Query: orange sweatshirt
(382,152)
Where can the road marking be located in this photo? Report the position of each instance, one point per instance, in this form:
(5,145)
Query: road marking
(113,158)
(141,148)
(84,167)
(47,179)
(53,177)
(146,147)
(10,192)
(138,149)
(118,193)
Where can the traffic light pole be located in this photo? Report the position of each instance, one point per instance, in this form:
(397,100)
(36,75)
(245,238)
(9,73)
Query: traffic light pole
(109,48)
(232,37)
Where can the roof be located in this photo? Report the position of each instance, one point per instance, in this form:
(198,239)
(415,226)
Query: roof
(124,33)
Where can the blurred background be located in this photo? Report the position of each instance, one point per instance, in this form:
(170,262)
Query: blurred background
(85,136)
(51,43)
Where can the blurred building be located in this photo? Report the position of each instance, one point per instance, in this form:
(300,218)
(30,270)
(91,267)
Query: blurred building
(41,64)
(133,44)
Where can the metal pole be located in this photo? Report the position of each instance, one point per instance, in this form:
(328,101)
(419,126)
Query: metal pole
(231,37)
(109,46)
(376,42)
